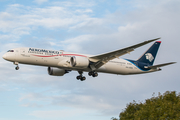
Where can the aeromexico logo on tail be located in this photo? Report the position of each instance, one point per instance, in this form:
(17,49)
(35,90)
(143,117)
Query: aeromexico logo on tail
(149,57)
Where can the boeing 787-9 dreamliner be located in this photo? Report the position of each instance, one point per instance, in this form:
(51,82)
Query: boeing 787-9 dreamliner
(61,62)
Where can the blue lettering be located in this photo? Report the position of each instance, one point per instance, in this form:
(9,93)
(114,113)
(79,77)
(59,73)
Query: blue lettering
(45,51)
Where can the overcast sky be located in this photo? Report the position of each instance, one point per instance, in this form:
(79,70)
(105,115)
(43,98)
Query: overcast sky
(91,27)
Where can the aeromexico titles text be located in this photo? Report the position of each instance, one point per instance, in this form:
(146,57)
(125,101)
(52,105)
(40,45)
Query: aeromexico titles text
(41,51)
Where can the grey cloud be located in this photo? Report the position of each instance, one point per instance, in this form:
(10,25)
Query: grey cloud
(19,20)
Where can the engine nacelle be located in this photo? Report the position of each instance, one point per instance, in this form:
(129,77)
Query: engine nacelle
(77,61)
(56,71)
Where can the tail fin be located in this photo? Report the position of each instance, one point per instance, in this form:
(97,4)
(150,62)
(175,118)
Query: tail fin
(150,55)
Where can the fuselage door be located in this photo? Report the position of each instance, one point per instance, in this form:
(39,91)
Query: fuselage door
(16,53)
(22,51)
(56,57)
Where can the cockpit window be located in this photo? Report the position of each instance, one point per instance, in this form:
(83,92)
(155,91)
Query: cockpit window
(10,51)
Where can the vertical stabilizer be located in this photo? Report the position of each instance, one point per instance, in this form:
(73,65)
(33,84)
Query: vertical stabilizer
(150,55)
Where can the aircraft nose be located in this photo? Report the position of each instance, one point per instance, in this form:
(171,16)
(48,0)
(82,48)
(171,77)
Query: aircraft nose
(4,56)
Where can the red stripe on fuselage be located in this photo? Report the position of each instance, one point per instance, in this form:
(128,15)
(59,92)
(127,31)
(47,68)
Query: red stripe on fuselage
(60,55)
(45,56)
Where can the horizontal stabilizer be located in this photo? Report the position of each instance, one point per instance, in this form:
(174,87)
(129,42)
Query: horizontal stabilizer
(160,65)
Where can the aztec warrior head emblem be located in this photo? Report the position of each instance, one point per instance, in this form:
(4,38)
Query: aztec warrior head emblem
(149,57)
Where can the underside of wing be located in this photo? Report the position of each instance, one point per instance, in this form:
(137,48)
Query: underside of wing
(102,59)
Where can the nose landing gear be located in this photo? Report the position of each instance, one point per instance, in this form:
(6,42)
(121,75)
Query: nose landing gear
(17,67)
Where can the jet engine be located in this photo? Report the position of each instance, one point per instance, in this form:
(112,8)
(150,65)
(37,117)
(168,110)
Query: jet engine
(77,61)
(56,71)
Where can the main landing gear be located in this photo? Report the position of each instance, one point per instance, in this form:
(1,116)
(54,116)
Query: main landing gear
(82,78)
(17,67)
(93,74)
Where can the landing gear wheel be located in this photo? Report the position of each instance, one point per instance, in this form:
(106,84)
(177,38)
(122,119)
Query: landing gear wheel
(93,74)
(17,68)
(83,78)
(78,77)
(90,73)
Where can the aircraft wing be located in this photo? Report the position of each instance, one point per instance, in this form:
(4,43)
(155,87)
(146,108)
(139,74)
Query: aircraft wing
(160,65)
(102,59)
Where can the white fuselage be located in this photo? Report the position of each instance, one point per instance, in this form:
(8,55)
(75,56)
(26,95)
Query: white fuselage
(61,59)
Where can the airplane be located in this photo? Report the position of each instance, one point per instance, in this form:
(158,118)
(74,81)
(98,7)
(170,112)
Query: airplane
(60,62)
